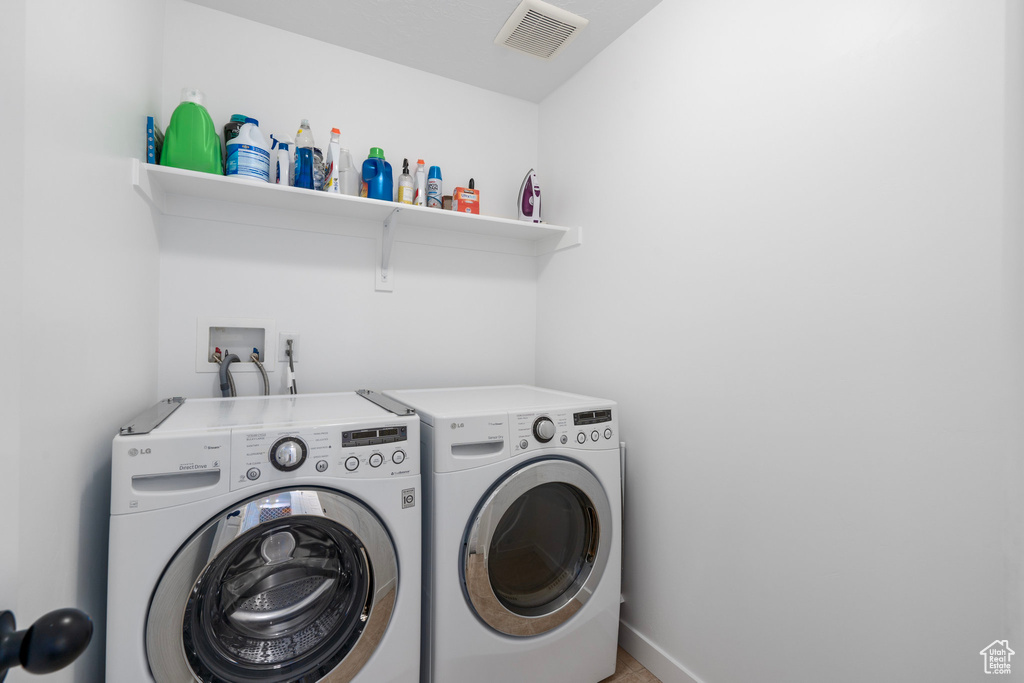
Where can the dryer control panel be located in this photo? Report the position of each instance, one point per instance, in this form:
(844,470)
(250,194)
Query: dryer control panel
(587,429)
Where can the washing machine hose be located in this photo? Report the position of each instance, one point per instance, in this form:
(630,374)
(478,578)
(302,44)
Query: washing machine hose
(225,380)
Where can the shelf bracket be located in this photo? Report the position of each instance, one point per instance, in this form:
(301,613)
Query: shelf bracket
(385,274)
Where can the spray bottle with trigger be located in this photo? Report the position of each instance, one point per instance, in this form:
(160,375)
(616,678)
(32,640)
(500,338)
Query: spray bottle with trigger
(281,164)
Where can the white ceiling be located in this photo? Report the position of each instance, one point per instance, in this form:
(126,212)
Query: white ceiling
(450,38)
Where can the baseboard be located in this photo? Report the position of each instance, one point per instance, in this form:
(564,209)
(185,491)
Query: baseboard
(656,660)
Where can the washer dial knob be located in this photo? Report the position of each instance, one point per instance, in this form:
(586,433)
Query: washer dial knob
(544,429)
(288,454)
(352,463)
(376,460)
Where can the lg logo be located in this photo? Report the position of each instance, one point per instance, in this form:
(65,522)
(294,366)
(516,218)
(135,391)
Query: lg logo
(458,425)
(135,451)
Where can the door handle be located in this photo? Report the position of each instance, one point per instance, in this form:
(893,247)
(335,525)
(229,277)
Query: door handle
(55,640)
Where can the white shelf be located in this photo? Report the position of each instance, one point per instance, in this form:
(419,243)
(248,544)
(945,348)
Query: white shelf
(176,192)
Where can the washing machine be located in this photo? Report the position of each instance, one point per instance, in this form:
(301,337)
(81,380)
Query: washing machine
(270,538)
(522,534)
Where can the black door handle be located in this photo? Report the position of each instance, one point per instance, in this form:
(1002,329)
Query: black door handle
(54,641)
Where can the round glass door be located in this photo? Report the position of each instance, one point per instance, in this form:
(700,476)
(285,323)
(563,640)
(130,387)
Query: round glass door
(536,547)
(290,586)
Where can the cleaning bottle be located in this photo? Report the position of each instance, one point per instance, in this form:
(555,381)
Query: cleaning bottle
(405,195)
(248,156)
(377,179)
(304,156)
(282,166)
(348,174)
(420,197)
(332,181)
(434,188)
(231,129)
(191,141)
(319,170)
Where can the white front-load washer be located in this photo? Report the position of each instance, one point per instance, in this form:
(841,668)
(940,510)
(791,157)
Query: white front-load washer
(522,543)
(270,538)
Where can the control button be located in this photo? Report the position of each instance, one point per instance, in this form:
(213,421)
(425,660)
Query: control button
(594,436)
(608,433)
(581,438)
(288,454)
(564,439)
(544,429)
(376,459)
(524,444)
(398,457)
(321,466)
(352,464)
(253,474)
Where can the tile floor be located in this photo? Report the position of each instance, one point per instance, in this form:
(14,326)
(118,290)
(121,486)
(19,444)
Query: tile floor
(628,670)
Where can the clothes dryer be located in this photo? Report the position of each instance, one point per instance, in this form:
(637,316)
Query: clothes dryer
(265,539)
(522,521)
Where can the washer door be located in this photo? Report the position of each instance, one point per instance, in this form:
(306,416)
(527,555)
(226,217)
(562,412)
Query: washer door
(536,548)
(293,585)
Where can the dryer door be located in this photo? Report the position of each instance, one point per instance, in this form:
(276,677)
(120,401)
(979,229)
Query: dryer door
(536,548)
(293,585)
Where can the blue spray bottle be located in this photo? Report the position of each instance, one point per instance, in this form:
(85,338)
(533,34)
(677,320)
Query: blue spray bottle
(304,156)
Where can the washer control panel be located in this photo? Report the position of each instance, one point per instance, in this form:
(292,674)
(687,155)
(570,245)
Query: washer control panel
(586,429)
(336,451)
(269,445)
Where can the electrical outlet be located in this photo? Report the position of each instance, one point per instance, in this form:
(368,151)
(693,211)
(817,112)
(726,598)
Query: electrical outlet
(282,347)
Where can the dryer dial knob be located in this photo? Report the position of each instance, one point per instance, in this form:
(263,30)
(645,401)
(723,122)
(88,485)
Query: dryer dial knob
(288,454)
(544,429)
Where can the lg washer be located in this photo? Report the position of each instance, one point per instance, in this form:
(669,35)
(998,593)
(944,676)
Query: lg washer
(522,544)
(265,539)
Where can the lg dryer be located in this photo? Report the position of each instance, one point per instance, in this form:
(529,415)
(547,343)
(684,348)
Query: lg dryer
(265,539)
(522,545)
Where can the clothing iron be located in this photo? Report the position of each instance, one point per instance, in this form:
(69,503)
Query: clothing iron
(529,199)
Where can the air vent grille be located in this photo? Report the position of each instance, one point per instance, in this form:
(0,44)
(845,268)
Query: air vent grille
(540,29)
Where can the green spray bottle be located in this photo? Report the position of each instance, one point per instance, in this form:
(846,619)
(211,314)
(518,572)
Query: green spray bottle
(191,141)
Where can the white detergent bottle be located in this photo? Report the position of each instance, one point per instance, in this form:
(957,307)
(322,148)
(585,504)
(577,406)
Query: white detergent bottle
(348,174)
(249,154)
(420,195)
(332,180)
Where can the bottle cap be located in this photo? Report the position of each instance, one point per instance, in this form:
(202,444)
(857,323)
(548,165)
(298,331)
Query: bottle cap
(376,153)
(420,162)
(193,95)
(335,131)
(471,185)
(435,172)
(252,121)
(239,118)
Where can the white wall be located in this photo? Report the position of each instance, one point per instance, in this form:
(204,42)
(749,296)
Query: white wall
(799,293)
(88,293)
(1014,259)
(12,210)
(463,317)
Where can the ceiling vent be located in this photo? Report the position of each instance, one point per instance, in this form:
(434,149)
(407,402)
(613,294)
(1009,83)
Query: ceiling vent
(540,29)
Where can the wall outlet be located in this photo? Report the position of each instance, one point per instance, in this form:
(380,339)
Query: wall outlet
(282,347)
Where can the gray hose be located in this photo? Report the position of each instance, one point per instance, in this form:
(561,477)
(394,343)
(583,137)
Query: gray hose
(226,383)
(266,380)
